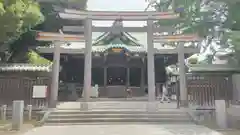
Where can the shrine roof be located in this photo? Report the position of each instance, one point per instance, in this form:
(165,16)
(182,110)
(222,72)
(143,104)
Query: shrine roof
(102,48)
(15,67)
(116,38)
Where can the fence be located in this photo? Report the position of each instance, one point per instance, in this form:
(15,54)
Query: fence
(175,90)
(205,88)
(21,88)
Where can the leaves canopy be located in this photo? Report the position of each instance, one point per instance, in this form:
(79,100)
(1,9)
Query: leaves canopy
(19,49)
(17,17)
(215,20)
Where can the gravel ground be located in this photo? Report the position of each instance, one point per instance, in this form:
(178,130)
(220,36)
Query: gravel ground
(25,128)
(28,127)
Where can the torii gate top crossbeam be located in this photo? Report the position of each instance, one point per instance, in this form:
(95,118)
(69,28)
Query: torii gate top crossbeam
(114,15)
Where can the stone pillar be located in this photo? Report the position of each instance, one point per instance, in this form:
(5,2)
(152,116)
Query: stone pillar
(55,75)
(87,62)
(128,77)
(3,112)
(151,105)
(221,113)
(17,114)
(150,62)
(182,76)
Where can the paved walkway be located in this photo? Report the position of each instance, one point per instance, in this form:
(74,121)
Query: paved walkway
(126,129)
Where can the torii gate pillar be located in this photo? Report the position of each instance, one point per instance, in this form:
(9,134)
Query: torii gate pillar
(55,76)
(150,67)
(182,76)
(87,63)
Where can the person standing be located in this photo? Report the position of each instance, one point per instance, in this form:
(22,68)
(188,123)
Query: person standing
(165,93)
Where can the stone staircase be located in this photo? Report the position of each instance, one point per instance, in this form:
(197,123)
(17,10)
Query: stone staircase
(115,113)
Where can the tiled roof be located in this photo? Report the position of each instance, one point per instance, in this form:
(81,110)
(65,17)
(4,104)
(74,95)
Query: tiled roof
(117,37)
(130,48)
(25,67)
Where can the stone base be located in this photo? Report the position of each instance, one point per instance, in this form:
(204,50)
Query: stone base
(184,103)
(84,106)
(152,107)
(52,104)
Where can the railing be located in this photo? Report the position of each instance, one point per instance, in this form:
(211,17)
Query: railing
(204,89)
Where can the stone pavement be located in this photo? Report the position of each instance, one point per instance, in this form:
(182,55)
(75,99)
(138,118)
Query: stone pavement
(123,129)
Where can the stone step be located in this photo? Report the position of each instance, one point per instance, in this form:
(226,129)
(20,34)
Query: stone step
(118,115)
(90,120)
(116,111)
(117,105)
(119,123)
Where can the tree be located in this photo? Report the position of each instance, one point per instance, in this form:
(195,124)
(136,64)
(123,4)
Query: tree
(20,48)
(17,17)
(209,18)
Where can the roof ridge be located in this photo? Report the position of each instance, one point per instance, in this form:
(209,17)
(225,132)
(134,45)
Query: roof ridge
(24,64)
(110,37)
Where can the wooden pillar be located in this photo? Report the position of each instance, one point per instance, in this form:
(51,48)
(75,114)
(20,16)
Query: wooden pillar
(142,85)
(128,77)
(105,77)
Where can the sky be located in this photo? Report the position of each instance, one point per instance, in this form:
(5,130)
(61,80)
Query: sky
(117,5)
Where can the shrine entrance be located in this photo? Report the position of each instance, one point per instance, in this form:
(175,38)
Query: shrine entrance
(116,76)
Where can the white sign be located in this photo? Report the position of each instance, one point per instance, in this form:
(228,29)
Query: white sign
(40,91)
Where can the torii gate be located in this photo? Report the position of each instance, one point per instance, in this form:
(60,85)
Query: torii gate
(89,16)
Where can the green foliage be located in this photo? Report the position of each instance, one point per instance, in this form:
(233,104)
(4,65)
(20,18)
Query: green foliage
(35,58)
(235,39)
(210,19)
(17,17)
(197,17)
